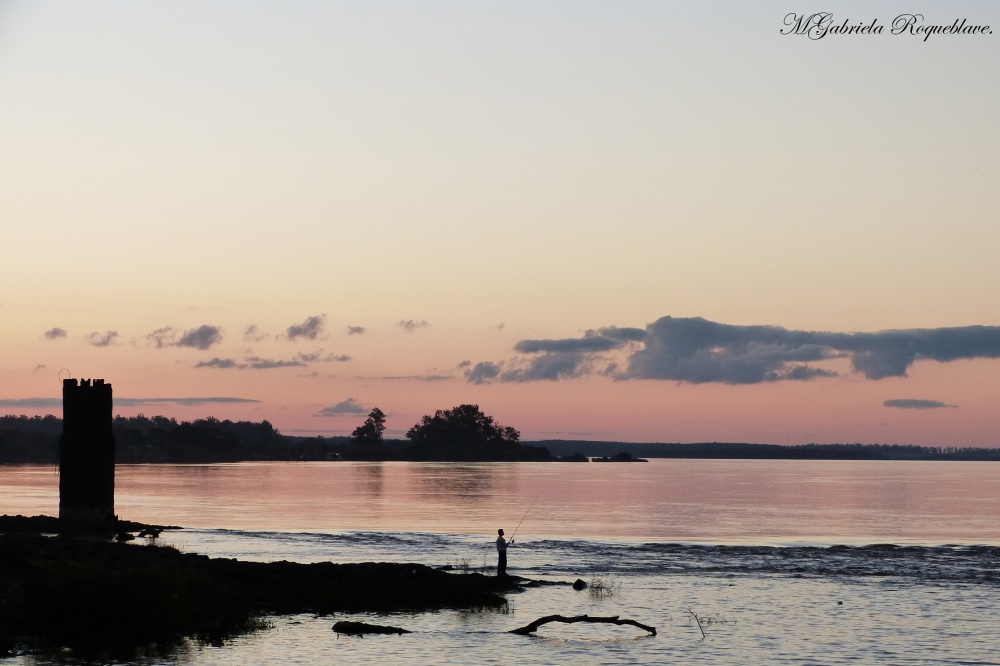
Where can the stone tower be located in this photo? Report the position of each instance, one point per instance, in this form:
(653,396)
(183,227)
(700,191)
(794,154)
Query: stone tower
(86,453)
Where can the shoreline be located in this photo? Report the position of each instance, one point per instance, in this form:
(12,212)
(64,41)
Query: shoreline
(85,590)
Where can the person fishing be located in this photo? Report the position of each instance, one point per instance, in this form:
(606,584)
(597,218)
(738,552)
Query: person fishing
(502,553)
(503,543)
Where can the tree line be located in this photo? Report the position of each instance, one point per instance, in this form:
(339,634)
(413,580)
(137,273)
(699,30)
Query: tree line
(157,439)
(463,433)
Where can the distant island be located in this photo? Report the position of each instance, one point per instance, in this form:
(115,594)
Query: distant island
(461,434)
(623,457)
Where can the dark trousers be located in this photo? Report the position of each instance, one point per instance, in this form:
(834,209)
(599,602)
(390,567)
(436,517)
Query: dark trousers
(502,563)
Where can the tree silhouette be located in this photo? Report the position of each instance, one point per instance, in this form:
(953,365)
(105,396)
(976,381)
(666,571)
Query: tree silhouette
(370,432)
(463,433)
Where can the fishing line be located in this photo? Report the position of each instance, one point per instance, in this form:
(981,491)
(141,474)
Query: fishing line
(525,515)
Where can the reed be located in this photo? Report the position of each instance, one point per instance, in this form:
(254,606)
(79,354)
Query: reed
(604,587)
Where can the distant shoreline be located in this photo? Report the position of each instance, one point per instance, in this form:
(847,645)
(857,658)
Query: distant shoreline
(35,440)
(745,451)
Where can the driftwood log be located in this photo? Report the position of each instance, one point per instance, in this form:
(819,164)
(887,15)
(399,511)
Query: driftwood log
(531,628)
(362,628)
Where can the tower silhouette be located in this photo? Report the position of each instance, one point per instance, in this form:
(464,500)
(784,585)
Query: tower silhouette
(86,453)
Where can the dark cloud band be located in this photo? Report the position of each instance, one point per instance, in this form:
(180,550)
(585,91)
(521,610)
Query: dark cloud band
(911,403)
(45,403)
(696,350)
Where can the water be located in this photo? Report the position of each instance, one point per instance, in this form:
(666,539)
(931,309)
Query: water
(781,562)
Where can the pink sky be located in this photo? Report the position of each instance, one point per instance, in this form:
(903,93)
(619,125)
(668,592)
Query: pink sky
(300,212)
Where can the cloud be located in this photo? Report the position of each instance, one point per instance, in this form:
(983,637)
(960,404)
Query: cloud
(31,403)
(696,351)
(910,403)
(410,326)
(564,358)
(420,378)
(102,339)
(258,363)
(162,337)
(356,330)
(252,334)
(483,372)
(202,337)
(127,402)
(622,334)
(349,406)
(589,343)
(318,357)
(55,333)
(310,329)
(805,373)
(224,363)
(550,366)
(188,402)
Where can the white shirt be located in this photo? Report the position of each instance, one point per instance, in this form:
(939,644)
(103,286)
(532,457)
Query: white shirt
(501,545)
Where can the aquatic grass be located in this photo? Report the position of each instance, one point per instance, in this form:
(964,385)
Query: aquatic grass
(707,621)
(487,569)
(465,565)
(462,565)
(604,587)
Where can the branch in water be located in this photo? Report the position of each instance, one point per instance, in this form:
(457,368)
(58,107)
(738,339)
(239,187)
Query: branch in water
(531,628)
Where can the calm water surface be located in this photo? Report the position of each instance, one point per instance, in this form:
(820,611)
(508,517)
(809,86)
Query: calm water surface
(699,501)
(784,562)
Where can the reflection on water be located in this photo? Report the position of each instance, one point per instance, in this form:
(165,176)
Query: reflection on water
(703,501)
(466,482)
(370,474)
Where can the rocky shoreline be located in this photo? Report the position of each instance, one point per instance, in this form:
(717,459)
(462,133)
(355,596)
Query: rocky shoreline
(86,591)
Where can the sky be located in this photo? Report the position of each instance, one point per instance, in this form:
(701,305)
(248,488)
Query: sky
(633,221)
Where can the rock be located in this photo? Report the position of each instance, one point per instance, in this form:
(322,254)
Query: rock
(579,584)
(362,628)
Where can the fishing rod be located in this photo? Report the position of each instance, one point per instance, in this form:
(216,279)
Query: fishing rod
(524,516)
